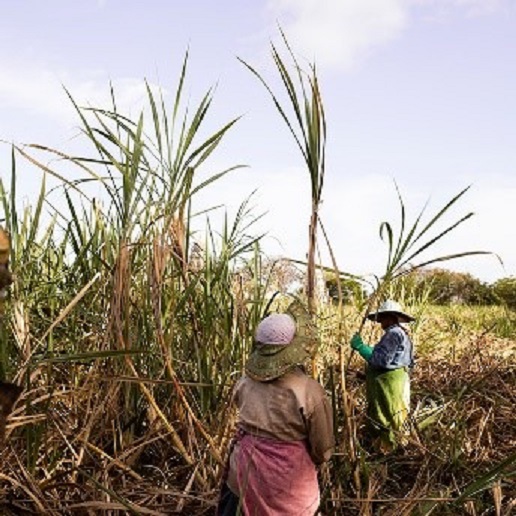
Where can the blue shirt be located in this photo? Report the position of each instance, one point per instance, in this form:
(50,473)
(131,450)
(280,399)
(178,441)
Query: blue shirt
(394,350)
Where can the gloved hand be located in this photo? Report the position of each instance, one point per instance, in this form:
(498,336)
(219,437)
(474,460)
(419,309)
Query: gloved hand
(356,342)
(359,345)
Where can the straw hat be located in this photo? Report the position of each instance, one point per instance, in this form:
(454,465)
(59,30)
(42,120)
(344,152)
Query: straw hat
(390,307)
(282,342)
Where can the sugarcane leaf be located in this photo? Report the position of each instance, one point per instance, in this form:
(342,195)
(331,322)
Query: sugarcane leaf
(485,481)
(278,107)
(386,228)
(445,258)
(441,212)
(435,239)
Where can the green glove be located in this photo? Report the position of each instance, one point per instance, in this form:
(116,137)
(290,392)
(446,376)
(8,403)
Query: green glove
(359,345)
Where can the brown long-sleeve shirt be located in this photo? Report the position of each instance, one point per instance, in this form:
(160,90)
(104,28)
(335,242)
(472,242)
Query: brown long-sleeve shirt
(293,407)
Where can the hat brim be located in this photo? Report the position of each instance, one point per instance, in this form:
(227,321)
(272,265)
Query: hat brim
(403,317)
(268,361)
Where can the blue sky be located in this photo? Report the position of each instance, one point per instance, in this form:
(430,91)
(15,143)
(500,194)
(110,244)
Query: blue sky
(416,91)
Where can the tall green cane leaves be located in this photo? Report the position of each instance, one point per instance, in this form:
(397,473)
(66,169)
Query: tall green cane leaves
(405,249)
(151,161)
(304,116)
(417,238)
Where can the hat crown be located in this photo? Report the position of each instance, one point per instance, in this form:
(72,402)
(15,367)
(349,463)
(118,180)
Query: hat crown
(390,306)
(278,329)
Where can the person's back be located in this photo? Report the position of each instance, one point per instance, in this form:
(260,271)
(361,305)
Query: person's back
(292,407)
(284,430)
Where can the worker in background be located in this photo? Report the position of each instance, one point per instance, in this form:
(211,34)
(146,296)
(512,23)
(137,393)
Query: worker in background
(389,363)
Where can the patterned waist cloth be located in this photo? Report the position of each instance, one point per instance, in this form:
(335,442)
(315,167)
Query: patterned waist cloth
(272,477)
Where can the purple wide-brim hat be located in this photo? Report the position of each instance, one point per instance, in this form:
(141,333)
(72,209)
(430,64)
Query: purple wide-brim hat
(282,342)
(277,329)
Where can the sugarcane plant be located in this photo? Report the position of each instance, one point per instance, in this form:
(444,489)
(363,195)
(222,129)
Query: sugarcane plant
(153,315)
(406,250)
(303,114)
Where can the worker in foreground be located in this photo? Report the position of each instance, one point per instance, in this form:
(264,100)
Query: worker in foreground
(389,363)
(285,425)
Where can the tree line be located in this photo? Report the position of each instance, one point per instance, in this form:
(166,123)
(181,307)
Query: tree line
(439,286)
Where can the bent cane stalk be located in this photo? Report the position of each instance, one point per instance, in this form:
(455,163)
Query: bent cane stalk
(407,246)
(346,396)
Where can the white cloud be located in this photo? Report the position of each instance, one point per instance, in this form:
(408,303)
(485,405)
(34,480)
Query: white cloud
(35,89)
(479,5)
(337,33)
(355,210)
(490,230)
(468,7)
(352,211)
(443,10)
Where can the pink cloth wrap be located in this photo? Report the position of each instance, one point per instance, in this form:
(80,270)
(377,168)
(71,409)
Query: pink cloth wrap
(275,478)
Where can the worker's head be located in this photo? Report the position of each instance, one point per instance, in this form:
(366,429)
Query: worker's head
(387,319)
(283,342)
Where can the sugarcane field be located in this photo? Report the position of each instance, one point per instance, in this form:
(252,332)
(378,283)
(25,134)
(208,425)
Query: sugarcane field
(273,278)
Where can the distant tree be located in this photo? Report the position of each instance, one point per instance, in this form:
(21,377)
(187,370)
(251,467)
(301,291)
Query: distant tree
(352,290)
(447,287)
(483,294)
(276,274)
(505,290)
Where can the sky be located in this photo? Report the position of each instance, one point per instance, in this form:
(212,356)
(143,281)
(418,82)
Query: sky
(418,93)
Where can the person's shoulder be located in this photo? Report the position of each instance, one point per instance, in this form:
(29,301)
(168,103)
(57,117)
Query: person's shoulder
(399,333)
(244,387)
(297,380)
(396,330)
(308,392)
(314,385)
(305,386)
(241,383)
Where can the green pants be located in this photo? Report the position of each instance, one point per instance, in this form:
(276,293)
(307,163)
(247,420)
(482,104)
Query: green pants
(388,404)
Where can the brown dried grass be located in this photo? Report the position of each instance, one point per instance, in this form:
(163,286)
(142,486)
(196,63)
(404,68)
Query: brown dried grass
(90,461)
